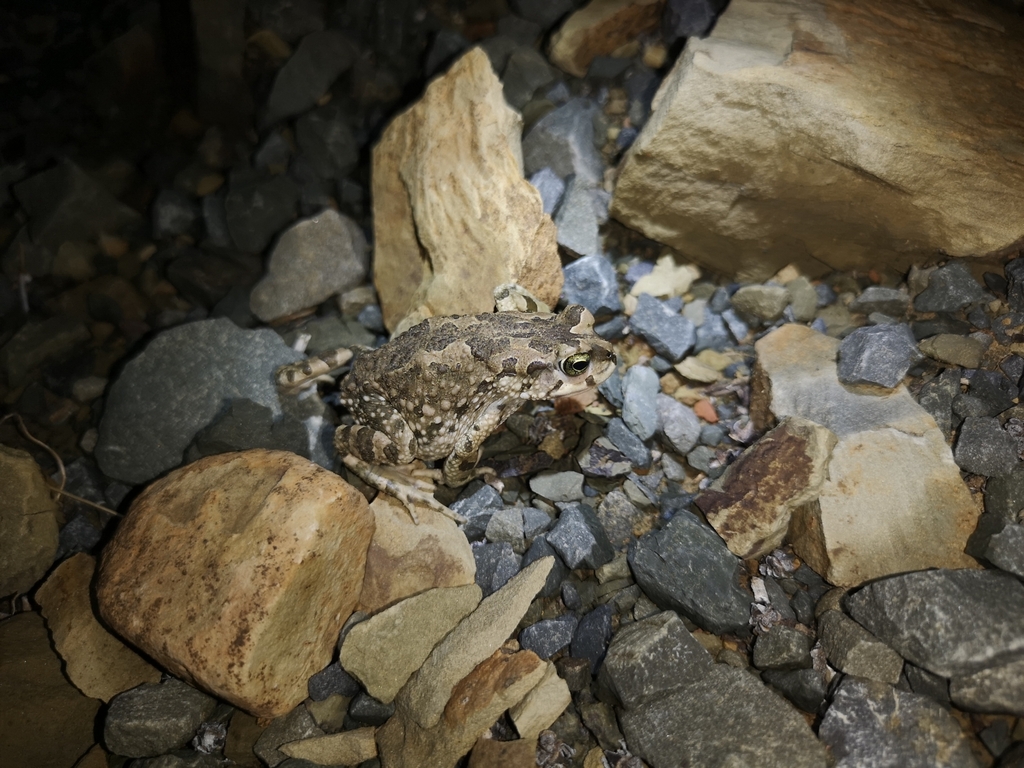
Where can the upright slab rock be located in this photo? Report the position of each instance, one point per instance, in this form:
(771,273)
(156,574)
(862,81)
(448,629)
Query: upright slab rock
(453,216)
(28,522)
(893,500)
(822,133)
(237,572)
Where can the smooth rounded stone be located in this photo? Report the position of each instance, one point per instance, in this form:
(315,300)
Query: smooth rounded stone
(333,680)
(836,319)
(176,386)
(558,486)
(495,565)
(526,71)
(985,448)
(763,302)
(951,622)
(237,640)
(782,647)
(999,688)
(871,723)
(576,220)
(174,213)
(28,522)
(886,301)
(551,188)
(712,434)
(563,140)
(713,333)
(852,649)
(880,354)
(592,282)
(580,539)
(549,636)
(478,508)
(506,525)
(559,572)
(36,343)
(294,726)
(937,395)
(313,260)
(950,287)
(805,688)
(803,299)
(327,141)
(307,75)
(155,718)
(1005,550)
(258,210)
(686,567)
(590,640)
(627,442)
(671,334)
(640,390)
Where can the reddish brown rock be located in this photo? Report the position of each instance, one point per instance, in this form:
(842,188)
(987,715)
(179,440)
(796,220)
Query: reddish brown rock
(237,572)
(600,28)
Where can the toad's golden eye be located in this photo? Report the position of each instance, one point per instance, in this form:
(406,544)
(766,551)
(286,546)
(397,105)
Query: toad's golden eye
(576,365)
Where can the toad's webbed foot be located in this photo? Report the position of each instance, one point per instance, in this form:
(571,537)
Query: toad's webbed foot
(405,485)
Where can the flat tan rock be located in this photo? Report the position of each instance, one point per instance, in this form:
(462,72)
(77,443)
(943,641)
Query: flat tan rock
(453,217)
(889,146)
(475,638)
(539,709)
(405,559)
(404,634)
(345,748)
(236,573)
(28,522)
(893,499)
(97,662)
(491,753)
(752,504)
(477,701)
(599,28)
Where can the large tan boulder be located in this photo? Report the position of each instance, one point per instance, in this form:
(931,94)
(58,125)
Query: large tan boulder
(453,217)
(825,134)
(237,572)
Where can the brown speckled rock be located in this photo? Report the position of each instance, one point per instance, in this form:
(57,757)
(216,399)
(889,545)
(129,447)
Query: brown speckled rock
(236,573)
(599,28)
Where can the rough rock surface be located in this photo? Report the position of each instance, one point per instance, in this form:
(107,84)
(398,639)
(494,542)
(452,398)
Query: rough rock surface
(599,28)
(865,161)
(248,555)
(453,216)
(894,500)
(28,522)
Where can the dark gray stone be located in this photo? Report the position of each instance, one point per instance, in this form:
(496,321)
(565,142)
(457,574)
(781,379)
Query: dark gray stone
(950,288)
(580,539)
(590,640)
(327,141)
(640,390)
(686,567)
(803,687)
(937,396)
(671,334)
(871,723)
(257,211)
(879,354)
(985,448)
(576,220)
(549,636)
(611,388)
(523,31)
(782,647)
(992,387)
(506,525)
(526,71)
(477,508)
(296,725)
(308,74)
(542,12)
(215,222)
(176,386)
(174,214)
(205,278)
(332,680)
(1005,550)
(924,329)
(551,189)
(951,622)
(571,596)
(690,18)
(1014,270)
(152,719)
(559,572)
(876,298)
(925,683)
(998,689)
(619,516)
(36,343)
(592,282)
(627,442)
(495,565)
(852,649)
(713,333)
(563,140)
(535,521)
(369,711)
(446,46)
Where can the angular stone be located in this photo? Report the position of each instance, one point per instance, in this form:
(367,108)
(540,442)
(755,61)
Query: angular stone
(297,724)
(325,138)
(1005,550)
(526,71)
(580,539)
(880,354)
(36,343)
(539,709)
(576,220)
(751,504)
(1000,688)
(950,287)
(453,216)
(671,334)
(762,302)
(852,649)
(28,522)
(599,28)
(876,298)
(155,718)
(548,636)
(306,76)
(678,423)
(495,565)
(718,174)
(563,140)
(205,571)
(345,748)
(783,647)
(257,210)
(985,448)
(640,392)
(965,351)
(592,282)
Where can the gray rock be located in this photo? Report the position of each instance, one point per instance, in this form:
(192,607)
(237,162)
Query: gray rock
(36,343)
(880,354)
(327,141)
(737,327)
(313,260)
(1004,496)
(590,640)
(538,549)
(542,12)
(256,211)
(306,76)
(686,567)
(951,622)
(592,282)
(1005,550)
(852,649)
(603,459)
(506,525)
(369,711)
(782,647)
(563,140)
(690,18)
(558,486)
(174,213)
(498,49)
(713,333)
(551,189)
(804,687)
(950,288)
(876,298)
(618,516)
(640,390)
(329,332)
(215,222)
(246,425)
(152,719)
(176,386)
(627,442)
(444,49)
(803,299)
(985,448)
(478,508)
(523,31)
(205,278)
(679,424)
(549,636)
(873,724)
(671,334)
(994,389)
(332,680)
(1014,270)
(999,688)
(937,395)
(580,539)
(273,154)
(576,220)
(290,19)
(924,682)
(535,521)
(495,565)
(526,71)
(762,302)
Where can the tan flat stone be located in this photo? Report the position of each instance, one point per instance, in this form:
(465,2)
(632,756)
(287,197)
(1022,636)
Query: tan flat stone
(345,748)
(490,753)
(541,706)
(28,522)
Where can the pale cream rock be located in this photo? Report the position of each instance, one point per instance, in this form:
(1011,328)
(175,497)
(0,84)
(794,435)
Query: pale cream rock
(821,133)
(345,748)
(453,217)
(404,634)
(694,370)
(541,706)
(221,569)
(28,522)
(893,500)
(405,559)
(600,28)
(97,662)
(666,279)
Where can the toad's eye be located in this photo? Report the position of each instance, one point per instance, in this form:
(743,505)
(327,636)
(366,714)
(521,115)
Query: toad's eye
(576,365)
